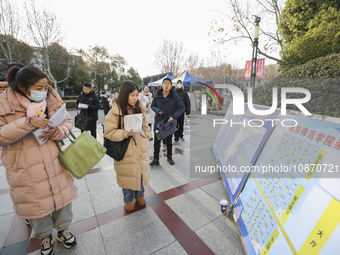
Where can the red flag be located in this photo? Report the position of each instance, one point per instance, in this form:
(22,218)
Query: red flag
(247,72)
(260,68)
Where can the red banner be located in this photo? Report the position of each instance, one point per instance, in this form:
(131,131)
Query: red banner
(259,69)
(247,71)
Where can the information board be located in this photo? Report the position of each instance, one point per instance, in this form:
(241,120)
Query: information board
(297,184)
(259,229)
(238,144)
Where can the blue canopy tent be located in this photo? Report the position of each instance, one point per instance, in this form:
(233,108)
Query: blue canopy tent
(189,79)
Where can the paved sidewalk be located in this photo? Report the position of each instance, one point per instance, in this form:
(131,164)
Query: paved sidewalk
(182,215)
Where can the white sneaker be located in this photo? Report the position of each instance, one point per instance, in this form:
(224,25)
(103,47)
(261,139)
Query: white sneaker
(66,238)
(182,139)
(47,246)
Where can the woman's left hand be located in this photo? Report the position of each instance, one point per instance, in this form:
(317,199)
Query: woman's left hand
(48,133)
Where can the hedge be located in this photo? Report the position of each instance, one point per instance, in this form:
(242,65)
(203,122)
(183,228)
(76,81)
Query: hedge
(327,67)
(70,104)
(320,76)
(70,97)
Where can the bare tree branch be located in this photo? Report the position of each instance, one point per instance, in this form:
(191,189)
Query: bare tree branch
(265,7)
(170,56)
(239,18)
(268,56)
(44,30)
(9,29)
(232,39)
(63,79)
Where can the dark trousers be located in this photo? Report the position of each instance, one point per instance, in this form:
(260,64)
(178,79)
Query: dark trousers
(93,129)
(157,145)
(180,125)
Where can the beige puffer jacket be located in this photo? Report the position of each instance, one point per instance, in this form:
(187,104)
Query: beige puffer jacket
(136,160)
(38,183)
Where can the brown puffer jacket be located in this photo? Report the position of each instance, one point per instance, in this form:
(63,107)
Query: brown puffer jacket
(136,160)
(38,183)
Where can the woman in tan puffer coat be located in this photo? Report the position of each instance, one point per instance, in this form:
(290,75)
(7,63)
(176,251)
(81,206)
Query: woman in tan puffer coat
(133,171)
(40,188)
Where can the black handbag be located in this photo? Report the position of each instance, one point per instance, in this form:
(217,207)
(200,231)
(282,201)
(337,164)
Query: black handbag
(164,128)
(83,121)
(116,150)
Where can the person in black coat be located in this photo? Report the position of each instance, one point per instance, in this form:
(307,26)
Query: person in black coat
(166,104)
(89,98)
(183,95)
(104,103)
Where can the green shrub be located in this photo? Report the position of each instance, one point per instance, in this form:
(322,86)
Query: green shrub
(70,97)
(328,66)
(320,76)
(70,104)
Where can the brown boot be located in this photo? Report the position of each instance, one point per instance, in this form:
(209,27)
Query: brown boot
(129,206)
(141,201)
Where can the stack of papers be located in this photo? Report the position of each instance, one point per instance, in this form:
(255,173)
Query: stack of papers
(56,119)
(82,106)
(134,121)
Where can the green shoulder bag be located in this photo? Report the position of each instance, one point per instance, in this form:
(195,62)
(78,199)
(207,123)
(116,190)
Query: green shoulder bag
(81,155)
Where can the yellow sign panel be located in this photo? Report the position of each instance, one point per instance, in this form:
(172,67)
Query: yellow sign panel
(322,230)
(270,242)
(292,204)
(314,166)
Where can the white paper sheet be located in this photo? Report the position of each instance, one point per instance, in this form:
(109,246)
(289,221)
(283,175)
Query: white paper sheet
(134,121)
(56,119)
(82,106)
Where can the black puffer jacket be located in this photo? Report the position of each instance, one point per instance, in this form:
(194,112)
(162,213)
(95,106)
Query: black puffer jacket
(183,95)
(104,104)
(171,106)
(92,100)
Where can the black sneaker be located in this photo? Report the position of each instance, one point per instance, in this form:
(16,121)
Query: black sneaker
(27,222)
(47,244)
(171,162)
(154,162)
(66,238)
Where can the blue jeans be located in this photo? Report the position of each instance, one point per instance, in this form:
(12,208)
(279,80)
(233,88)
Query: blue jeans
(130,195)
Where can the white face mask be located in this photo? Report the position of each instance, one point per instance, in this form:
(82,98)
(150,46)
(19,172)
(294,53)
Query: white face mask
(179,85)
(37,96)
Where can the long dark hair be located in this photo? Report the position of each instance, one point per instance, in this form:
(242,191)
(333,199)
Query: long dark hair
(123,97)
(26,77)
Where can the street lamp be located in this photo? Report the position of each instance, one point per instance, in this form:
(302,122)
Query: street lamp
(255,45)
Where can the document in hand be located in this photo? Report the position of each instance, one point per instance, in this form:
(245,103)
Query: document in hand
(134,121)
(56,119)
(82,106)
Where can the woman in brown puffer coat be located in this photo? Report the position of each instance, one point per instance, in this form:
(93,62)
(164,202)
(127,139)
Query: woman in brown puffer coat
(41,189)
(133,171)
